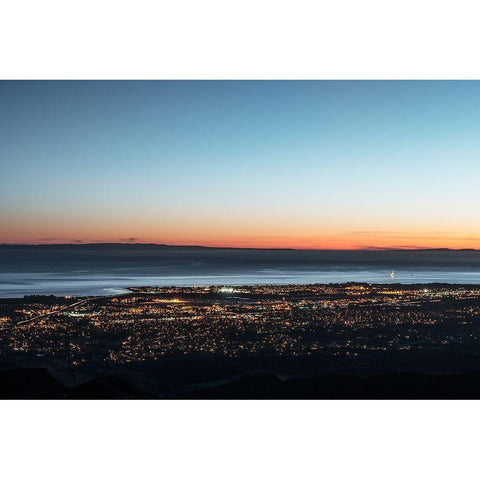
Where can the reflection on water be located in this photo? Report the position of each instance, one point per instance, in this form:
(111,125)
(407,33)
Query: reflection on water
(15,285)
(105,270)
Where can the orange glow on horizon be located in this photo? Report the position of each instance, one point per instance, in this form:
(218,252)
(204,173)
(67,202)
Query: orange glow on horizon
(405,243)
(252,232)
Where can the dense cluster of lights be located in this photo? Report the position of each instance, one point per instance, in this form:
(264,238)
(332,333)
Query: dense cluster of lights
(156,323)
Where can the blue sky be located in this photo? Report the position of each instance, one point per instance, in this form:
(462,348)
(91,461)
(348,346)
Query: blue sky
(258,163)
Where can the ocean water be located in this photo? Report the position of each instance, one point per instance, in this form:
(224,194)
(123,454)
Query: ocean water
(107,269)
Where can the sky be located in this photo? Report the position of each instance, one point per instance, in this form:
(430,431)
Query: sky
(269,164)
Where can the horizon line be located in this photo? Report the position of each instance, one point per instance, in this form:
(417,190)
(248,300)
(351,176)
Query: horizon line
(372,248)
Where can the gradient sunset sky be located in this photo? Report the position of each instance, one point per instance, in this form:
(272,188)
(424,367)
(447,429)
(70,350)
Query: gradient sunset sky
(303,164)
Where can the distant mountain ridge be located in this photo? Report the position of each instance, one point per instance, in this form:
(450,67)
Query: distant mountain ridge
(203,247)
(130,245)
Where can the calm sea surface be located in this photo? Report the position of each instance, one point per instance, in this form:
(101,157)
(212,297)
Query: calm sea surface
(107,269)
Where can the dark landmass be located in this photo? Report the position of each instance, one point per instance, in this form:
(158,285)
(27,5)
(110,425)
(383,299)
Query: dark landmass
(38,383)
(405,375)
(131,245)
(401,385)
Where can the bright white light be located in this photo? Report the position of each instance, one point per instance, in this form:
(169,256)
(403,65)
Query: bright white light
(226,290)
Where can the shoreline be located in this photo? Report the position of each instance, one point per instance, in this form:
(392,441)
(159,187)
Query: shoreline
(132,290)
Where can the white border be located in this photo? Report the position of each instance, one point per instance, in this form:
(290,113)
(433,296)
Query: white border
(248,39)
(238,40)
(239,440)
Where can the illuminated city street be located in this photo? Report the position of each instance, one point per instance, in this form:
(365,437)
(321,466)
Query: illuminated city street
(335,328)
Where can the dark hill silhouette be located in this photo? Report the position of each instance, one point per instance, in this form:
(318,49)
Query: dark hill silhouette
(38,383)
(404,385)
(106,388)
(30,383)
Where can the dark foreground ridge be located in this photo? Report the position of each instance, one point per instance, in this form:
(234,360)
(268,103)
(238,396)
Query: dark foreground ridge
(38,383)
(391,386)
